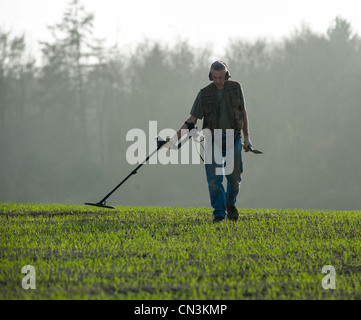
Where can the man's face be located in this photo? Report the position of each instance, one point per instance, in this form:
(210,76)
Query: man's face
(219,78)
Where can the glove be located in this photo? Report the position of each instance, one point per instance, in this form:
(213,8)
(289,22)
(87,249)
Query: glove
(247,143)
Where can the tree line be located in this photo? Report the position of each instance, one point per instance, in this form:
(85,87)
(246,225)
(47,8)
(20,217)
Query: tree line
(63,123)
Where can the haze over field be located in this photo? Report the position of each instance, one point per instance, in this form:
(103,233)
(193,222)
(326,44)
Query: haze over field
(64,118)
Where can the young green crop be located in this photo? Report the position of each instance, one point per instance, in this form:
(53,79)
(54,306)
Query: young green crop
(177,253)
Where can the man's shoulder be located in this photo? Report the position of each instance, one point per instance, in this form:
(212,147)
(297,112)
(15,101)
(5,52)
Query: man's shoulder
(208,87)
(233,84)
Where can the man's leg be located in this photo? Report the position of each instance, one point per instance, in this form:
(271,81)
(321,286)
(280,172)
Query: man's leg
(216,191)
(234,179)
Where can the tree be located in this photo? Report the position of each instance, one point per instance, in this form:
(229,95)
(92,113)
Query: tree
(66,106)
(68,59)
(17,81)
(15,67)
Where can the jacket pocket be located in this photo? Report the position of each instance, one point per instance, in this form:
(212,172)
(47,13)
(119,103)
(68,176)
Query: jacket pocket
(236,102)
(208,108)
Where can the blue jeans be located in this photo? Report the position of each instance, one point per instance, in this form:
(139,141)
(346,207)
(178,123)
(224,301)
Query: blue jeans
(219,197)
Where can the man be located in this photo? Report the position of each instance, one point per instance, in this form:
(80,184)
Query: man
(221,105)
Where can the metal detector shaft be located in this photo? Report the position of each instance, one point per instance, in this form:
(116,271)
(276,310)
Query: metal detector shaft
(160,144)
(133,172)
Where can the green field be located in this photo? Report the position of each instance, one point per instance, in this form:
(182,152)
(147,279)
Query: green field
(81,252)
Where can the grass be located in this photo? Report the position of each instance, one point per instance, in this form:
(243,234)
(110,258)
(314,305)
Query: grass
(81,252)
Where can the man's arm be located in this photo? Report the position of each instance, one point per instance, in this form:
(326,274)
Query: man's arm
(245,122)
(172,143)
(247,144)
(191,119)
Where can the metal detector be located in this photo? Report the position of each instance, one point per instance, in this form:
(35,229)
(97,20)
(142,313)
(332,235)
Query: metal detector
(160,143)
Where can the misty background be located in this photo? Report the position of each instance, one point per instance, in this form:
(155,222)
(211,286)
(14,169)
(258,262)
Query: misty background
(64,119)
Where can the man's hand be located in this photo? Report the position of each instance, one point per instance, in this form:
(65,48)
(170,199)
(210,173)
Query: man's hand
(169,145)
(172,143)
(247,145)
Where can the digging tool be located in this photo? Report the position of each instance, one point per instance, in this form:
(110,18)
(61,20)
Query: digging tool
(255,151)
(252,150)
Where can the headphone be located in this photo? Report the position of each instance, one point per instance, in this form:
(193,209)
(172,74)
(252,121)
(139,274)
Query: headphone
(218,65)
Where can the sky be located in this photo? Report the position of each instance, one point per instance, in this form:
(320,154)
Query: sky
(202,22)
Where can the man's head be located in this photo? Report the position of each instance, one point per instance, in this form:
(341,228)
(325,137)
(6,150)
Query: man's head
(219,74)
